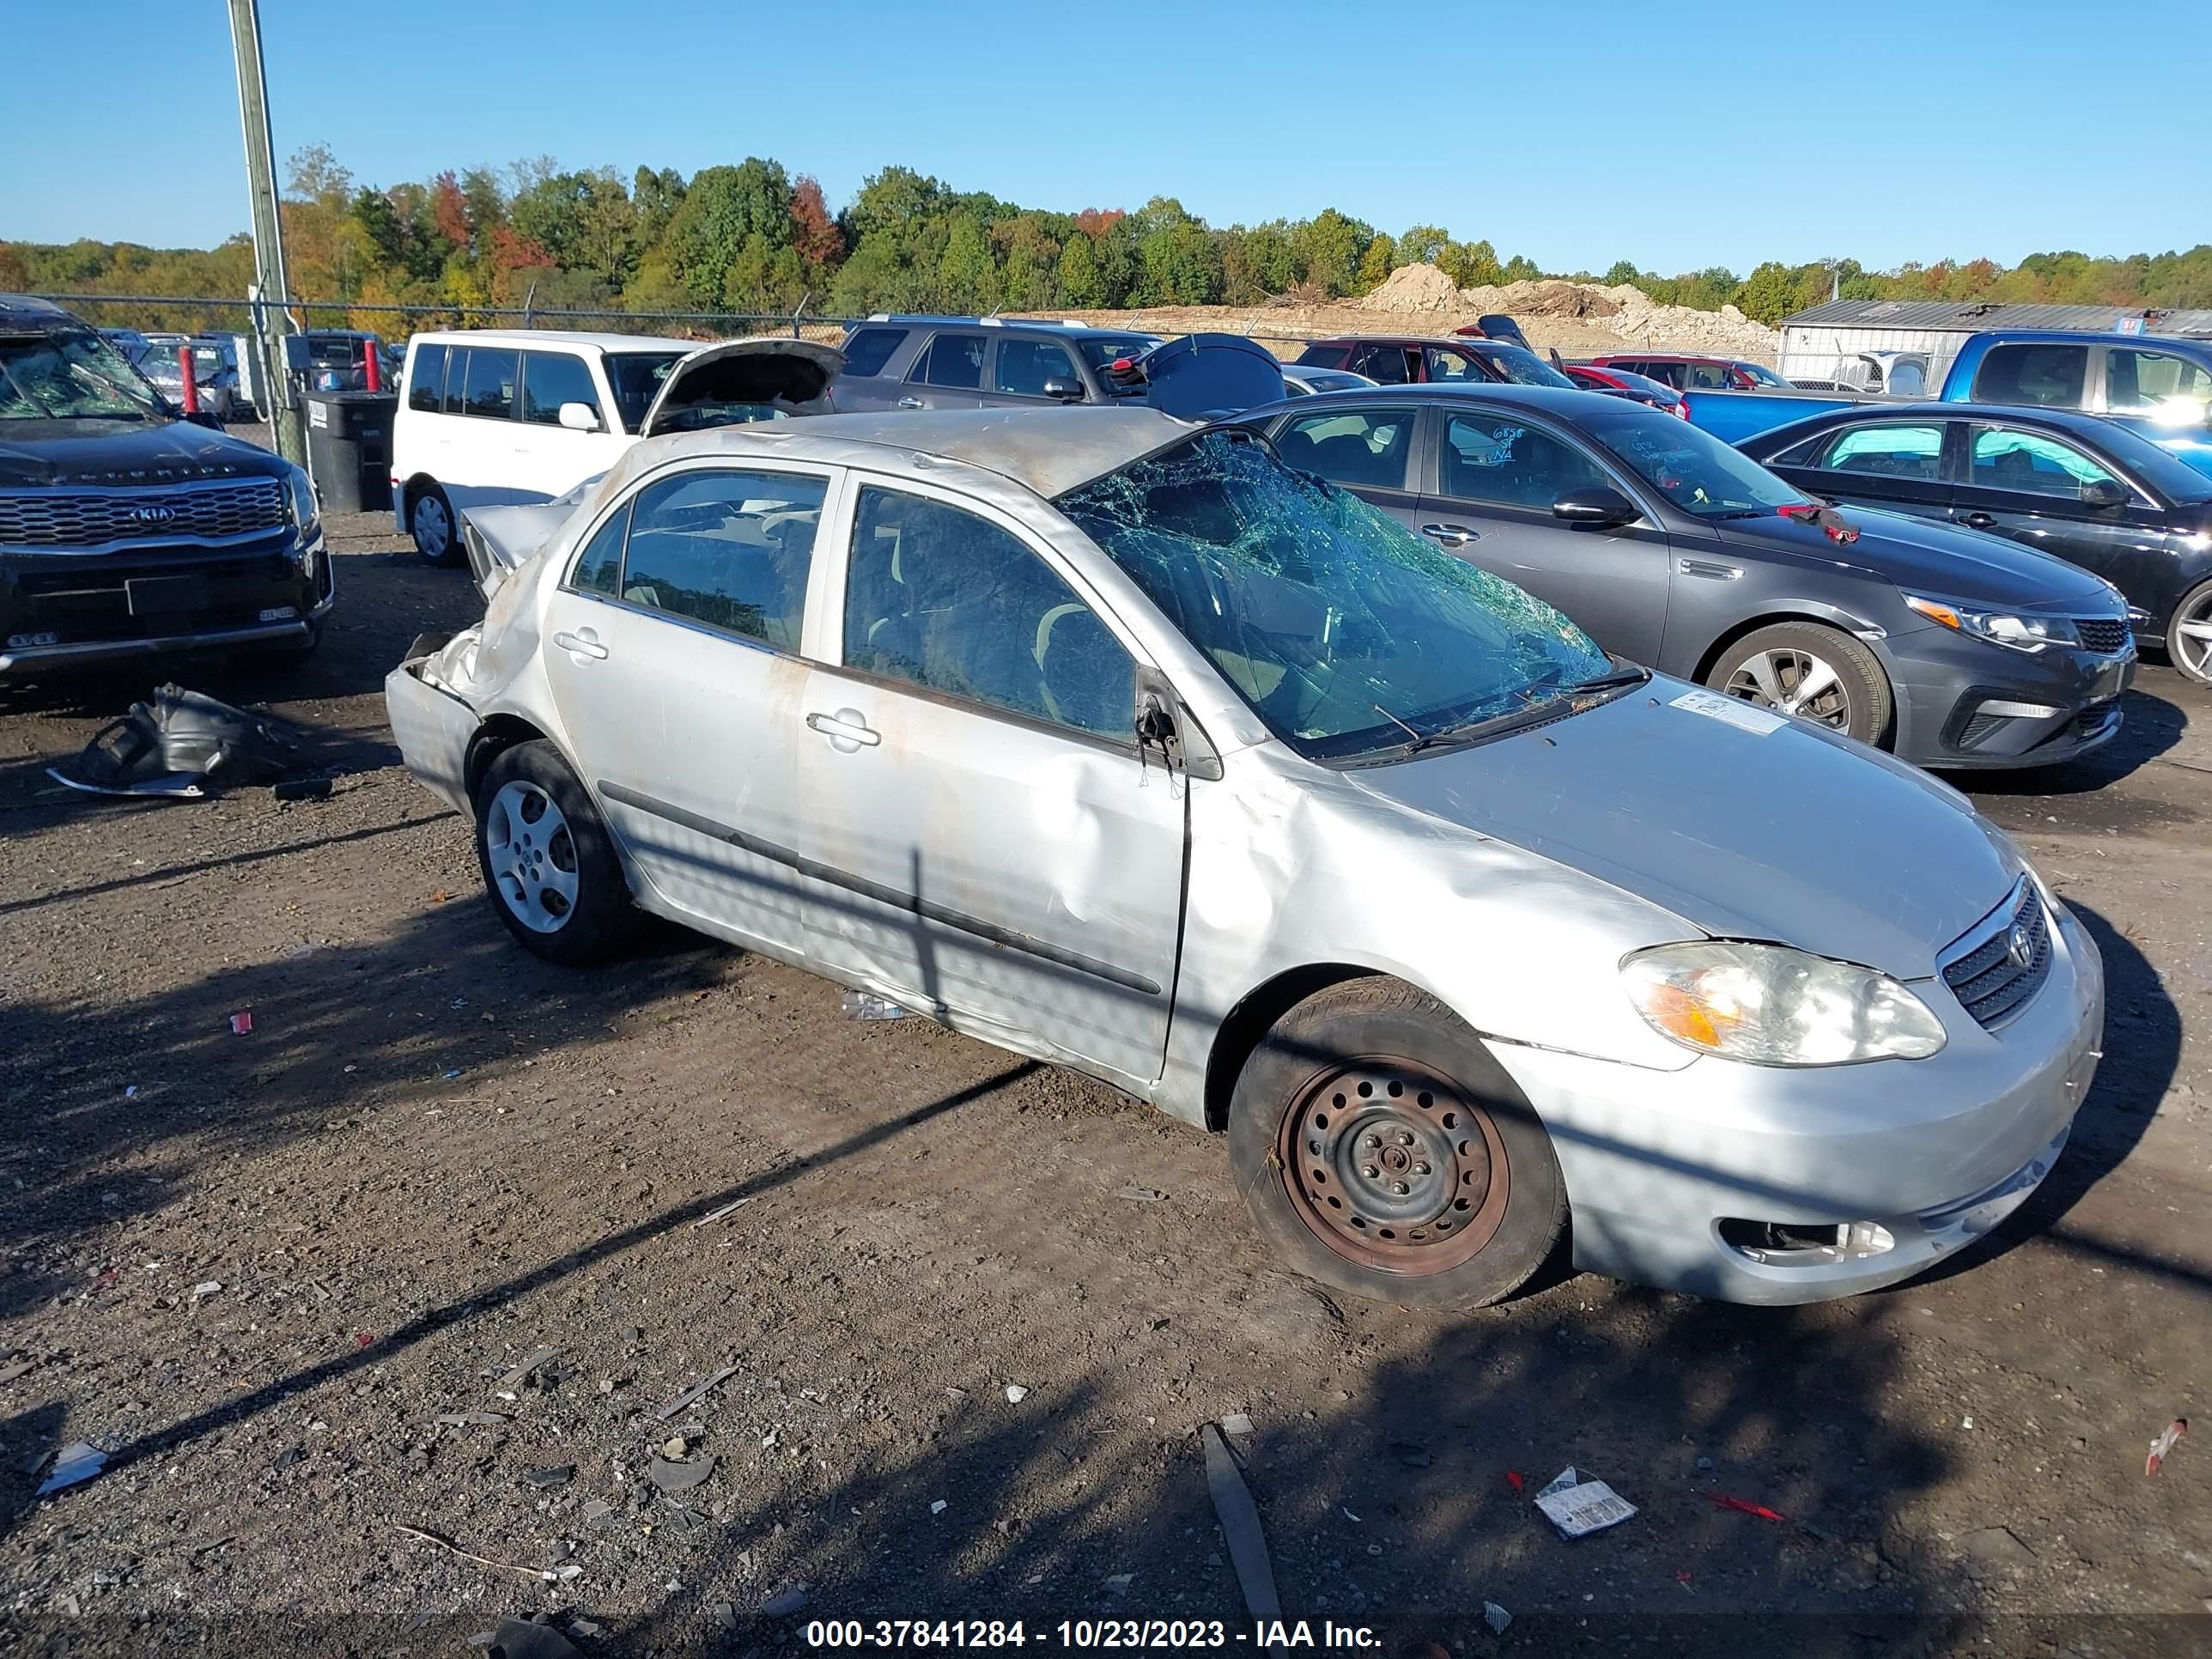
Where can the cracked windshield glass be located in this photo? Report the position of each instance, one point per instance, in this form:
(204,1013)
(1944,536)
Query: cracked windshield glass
(1347,634)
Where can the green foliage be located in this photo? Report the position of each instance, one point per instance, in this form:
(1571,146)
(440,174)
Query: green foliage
(1082,286)
(1375,264)
(1329,246)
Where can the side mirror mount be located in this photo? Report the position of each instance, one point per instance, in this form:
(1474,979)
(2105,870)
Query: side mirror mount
(1063,390)
(578,417)
(2104,492)
(1165,728)
(1599,506)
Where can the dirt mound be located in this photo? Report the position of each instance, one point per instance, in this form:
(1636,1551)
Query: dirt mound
(1413,289)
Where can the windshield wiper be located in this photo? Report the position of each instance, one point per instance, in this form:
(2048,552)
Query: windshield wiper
(1539,711)
(1627,674)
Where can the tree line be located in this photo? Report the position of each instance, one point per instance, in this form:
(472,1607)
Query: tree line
(753,238)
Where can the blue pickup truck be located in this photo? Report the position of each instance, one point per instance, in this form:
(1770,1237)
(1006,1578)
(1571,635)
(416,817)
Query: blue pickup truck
(2159,385)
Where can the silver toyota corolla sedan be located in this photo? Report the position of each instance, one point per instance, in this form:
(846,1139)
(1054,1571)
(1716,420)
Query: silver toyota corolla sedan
(1113,740)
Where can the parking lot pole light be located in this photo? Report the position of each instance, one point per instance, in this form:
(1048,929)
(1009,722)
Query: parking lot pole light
(271,321)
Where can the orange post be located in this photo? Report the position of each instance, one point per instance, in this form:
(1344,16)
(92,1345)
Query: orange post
(372,370)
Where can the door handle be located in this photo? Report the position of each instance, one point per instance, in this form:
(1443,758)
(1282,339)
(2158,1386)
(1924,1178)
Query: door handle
(582,643)
(848,729)
(1980,520)
(1450,535)
(910,403)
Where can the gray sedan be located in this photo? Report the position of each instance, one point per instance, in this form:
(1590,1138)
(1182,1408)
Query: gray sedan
(1115,741)
(1948,647)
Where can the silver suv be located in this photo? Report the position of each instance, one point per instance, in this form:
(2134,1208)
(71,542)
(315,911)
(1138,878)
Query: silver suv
(982,362)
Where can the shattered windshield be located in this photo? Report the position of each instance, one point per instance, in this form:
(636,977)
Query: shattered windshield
(1347,634)
(71,375)
(1524,368)
(1693,470)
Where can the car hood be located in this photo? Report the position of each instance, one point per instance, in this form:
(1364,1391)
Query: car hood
(35,454)
(501,540)
(1770,829)
(1947,561)
(790,373)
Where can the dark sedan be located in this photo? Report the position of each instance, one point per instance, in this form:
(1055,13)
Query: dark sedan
(2086,489)
(1952,648)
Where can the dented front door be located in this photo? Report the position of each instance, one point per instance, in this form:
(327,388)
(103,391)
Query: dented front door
(985,841)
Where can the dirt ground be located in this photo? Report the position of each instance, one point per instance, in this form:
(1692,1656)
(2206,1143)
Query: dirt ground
(284,1278)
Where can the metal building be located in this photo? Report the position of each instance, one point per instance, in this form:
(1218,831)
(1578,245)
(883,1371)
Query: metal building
(1823,342)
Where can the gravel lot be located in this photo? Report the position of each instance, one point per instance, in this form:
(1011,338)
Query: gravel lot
(433,1156)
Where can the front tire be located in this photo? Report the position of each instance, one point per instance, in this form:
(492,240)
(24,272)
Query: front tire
(2189,635)
(430,521)
(1382,1151)
(1818,673)
(549,869)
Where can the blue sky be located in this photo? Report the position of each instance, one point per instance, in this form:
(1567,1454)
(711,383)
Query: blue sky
(1677,135)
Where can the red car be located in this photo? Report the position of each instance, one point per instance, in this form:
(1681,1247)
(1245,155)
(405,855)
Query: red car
(1637,388)
(1685,372)
(1412,360)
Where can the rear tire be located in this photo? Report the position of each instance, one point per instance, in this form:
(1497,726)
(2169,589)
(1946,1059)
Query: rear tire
(2192,651)
(430,520)
(1818,673)
(1382,1151)
(549,866)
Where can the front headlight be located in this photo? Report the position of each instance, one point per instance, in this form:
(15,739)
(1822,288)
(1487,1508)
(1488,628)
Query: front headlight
(1772,1006)
(2021,633)
(299,501)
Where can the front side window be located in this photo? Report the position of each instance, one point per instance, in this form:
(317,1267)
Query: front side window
(1352,447)
(730,550)
(1760,375)
(489,389)
(2169,389)
(2049,375)
(870,349)
(1385,365)
(1098,352)
(635,376)
(1346,633)
(1708,377)
(551,378)
(2005,458)
(1694,470)
(1023,366)
(1450,367)
(939,598)
(953,361)
(1882,452)
(426,379)
(599,567)
(1502,459)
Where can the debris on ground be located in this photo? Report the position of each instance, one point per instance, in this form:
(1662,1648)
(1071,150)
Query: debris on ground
(670,1475)
(462,1419)
(712,1216)
(936,1506)
(1578,1506)
(1236,1423)
(1513,1478)
(176,747)
(1119,1582)
(1412,1454)
(2161,1448)
(1495,1616)
(451,1548)
(241,1023)
(518,1638)
(1016,1394)
(560,1474)
(207,1287)
(1240,1526)
(697,1391)
(864,1004)
(785,1601)
(302,789)
(1140,1194)
(74,1464)
(1742,1506)
(515,1379)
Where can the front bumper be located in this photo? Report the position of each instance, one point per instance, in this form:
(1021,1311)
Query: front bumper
(1964,703)
(1933,1153)
(65,610)
(434,729)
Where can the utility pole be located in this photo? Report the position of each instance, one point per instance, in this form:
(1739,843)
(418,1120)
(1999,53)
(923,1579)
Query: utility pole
(272,319)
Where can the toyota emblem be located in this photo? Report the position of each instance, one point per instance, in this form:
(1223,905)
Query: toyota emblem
(2021,947)
(151,516)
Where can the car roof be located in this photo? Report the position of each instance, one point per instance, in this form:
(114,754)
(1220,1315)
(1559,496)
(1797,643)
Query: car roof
(1047,451)
(1463,340)
(23,312)
(1555,400)
(528,337)
(1061,325)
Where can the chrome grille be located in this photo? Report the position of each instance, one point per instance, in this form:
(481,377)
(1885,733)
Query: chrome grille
(2101,634)
(200,512)
(2004,964)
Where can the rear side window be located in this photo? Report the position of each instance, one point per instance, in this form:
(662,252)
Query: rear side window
(1324,356)
(426,379)
(1881,452)
(1386,365)
(2049,375)
(730,550)
(870,349)
(1352,447)
(1025,365)
(953,361)
(1449,366)
(598,567)
(551,378)
(488,388)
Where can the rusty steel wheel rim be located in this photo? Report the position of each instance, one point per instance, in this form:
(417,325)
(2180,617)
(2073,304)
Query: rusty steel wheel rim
(1394,1168)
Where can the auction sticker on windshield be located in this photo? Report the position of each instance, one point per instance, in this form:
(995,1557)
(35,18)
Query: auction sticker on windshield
(1731,711)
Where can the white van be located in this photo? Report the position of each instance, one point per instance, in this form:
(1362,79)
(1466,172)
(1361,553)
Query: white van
(500,416)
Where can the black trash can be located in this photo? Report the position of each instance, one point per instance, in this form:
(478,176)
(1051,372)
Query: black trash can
(349,449)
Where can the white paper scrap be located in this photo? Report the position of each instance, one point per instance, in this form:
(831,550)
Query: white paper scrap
(1578,1507)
